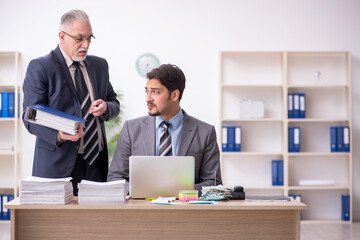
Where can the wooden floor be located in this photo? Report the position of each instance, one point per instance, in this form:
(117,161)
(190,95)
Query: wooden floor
(313,231)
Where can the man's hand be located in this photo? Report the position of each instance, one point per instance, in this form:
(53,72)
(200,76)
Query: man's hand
(98,107)
(64,136)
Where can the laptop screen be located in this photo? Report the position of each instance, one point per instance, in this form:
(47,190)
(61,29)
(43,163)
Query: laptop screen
(155,176)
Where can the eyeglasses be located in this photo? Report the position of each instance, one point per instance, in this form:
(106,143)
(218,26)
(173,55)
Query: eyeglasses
(80,38)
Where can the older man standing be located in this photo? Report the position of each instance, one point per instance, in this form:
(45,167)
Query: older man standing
(69,80)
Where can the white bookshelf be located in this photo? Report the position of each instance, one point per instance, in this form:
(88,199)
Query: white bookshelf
(10,74)
(269,77)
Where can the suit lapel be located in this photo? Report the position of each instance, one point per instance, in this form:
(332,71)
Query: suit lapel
(148,132)
(64,69)
(187,134)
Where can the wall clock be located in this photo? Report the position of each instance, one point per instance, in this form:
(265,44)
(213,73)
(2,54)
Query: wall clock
(145,63)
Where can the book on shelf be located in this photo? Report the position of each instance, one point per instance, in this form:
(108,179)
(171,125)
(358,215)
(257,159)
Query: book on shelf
(38,190)
(52,118)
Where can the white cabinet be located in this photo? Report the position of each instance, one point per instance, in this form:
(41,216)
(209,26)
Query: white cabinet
(10,126)
(269,77)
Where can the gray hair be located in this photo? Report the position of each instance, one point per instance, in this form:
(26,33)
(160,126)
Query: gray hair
(69,17)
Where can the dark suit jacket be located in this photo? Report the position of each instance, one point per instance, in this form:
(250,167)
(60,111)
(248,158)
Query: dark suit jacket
(197,139)
(48,81)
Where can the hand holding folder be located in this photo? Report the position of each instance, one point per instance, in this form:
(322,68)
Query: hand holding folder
(52,118)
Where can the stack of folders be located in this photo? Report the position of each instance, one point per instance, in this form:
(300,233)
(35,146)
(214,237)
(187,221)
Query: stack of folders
(37,190)
(7,104)
(231,139)
(296,105)
(102,192)
(340,139)
(277,172)
(52,118)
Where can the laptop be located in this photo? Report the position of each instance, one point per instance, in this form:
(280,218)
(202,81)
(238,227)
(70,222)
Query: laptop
(154,176)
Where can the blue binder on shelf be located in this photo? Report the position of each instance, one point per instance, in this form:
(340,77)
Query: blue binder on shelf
(5,104)
(302,105)
(237,139)
(277,172)
(290,105)
(296,105)
(340,139)
(345,207)
(333,139)
(5,213)
(346,139)
(280,166)
(224,139)
(11,102)
(0,104)
(231,139)
(291,139)
(274,172)
(294,139)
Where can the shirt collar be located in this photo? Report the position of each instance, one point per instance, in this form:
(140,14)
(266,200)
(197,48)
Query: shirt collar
(175,120)
(68,60)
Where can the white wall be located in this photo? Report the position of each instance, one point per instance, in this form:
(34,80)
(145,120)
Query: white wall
(189,34)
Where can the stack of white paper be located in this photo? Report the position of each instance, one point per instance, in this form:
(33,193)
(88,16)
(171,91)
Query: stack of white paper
(37,190)
(52,118)
(102,192)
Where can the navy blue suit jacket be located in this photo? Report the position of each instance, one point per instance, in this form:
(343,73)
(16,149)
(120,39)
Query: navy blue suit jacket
(48,81)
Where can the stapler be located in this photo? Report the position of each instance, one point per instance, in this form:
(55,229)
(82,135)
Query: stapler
(237,194)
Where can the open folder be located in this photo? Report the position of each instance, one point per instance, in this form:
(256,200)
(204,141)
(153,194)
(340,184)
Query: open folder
(52,118)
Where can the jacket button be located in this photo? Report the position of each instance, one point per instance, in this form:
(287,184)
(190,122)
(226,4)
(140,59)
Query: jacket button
(76,147)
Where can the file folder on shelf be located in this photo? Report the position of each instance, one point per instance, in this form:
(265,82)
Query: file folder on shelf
(280,166)
(224,139)
(294,139)
(290,105)
(237,139)
(340,139)
(231,139)
(296,105)
(345,207)
(346,142)
(274,172)
(302,105)
(333,139)
(5,104)
(52,118)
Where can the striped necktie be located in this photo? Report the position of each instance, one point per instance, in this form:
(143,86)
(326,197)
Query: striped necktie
(165,148)
(91,141)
